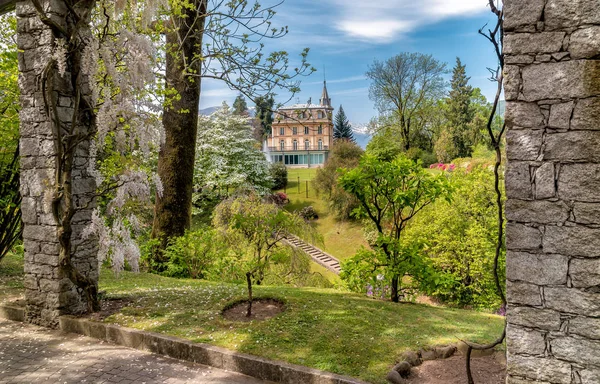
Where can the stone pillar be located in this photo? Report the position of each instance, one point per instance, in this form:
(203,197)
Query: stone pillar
(552,90)
(48,292)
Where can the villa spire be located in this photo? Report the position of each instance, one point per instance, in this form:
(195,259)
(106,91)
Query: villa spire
(325,100)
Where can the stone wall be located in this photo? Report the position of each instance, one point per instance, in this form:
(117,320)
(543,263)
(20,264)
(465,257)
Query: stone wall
(48,292)
(552,89)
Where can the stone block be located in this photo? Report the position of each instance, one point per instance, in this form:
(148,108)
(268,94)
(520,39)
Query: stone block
(585,273)
(533,43)
(523,293)
(572,241)
(540,269)
(585,326)
(537,211)
(584,42)
(518,180)
(40,233)
(579,182)
(518,59)
(569,14)
(539,369)
(590,375)
(545,183)
(522,237)
(572,300)
(560,115)
(512,82)
(520,340)
(524,115)
(577,350)
(29,210)
(586,115)
(562,80)
(586,213)
(524,145)
(47,259)
(545,319)
(522,14)
(581,146)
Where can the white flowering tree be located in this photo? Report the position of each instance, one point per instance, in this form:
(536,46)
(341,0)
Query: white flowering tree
(227,157)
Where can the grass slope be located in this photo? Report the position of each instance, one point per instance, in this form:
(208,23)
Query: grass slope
(321,328)
(340,238)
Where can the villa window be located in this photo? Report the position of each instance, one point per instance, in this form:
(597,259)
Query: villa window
(282,144)
(281,131)
(320,130)
(321,114)
(295,145)
(306,130)
(294,131)
(320,145)
(306,144)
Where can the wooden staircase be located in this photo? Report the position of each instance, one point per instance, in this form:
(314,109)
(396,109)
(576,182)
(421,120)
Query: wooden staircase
(320,257)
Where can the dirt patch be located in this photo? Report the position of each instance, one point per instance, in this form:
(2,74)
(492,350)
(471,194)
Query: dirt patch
(487,369)
(262,309)
(109,307)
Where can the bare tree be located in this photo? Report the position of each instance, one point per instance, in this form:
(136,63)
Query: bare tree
(403,88)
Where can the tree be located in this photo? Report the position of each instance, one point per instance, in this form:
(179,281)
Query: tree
(10,198)
(216,39)
(342,130)
(227,157)
(240,107)
(404,88)
(344,154)
(459,113)
(264,115)
(260,228)
(390,194)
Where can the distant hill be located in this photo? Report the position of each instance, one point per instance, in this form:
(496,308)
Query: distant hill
(362,139)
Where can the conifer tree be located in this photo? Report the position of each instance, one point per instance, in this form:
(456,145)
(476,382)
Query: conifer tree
(264,114)
(240,108)
(459,112)
(342,130)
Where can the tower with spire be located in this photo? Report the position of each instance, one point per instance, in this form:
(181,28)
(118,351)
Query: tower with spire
(325,100)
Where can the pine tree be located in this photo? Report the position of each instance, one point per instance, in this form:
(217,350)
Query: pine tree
(459,112)
(240,108)
(342,130)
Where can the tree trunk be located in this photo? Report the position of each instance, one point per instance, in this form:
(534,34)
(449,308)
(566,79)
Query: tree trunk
(249,281)
(173,209)
(395,295)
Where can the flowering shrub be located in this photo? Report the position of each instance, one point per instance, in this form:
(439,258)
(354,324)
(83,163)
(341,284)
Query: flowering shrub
(443,167)
(279,198)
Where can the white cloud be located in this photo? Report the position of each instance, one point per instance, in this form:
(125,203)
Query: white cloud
(386,20)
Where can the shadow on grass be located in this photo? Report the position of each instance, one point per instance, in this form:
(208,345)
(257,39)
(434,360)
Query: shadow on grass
(324,329)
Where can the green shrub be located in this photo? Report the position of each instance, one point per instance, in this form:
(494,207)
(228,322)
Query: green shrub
(279,174)
(460,239)
(194,254)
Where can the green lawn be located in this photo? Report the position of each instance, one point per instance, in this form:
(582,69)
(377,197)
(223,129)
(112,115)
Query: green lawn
(340,238)
(11,276)
(321,328)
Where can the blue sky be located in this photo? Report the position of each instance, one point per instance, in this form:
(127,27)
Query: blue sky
(344,38)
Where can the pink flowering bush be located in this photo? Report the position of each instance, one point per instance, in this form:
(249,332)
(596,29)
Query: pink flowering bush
(443,167)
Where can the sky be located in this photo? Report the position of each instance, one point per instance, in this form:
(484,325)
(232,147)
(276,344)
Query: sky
(345,37)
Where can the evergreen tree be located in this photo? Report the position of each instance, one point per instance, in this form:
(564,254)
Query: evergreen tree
(459,113)
(240,108)
(341,126)
(264,114)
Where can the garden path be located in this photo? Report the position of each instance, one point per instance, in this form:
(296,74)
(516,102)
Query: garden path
(31,354)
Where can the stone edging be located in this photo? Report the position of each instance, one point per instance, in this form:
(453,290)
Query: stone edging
(264,369)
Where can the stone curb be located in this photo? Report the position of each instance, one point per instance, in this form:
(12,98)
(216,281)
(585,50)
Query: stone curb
(260,368)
